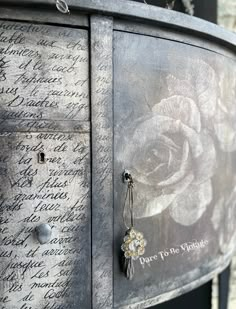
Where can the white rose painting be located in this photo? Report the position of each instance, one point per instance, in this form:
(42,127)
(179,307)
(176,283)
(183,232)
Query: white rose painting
(171,150)
(225,117)
(175,132)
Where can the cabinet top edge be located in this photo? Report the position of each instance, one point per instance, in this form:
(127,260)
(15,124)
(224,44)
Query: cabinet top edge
(131,10)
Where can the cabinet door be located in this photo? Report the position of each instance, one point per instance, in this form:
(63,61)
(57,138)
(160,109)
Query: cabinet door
(44,167)
(174,130)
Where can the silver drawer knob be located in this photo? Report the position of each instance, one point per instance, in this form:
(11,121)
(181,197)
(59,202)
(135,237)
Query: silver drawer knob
(43,233)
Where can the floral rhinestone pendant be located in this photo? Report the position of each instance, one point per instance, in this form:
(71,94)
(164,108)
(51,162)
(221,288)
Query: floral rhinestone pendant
(133,247)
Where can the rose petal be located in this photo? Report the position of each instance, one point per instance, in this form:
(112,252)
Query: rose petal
(193,139)
(154,206)
(188,207)
(230,213)
(156,126)
(150,128)
(222,106)
(153,130)
(184,167)
(145,206)
(180,186)
(169,143)
(204,84)
(226,135)
(180,87)
(217,213)
(205,164)
(224,219)
(180,108)
(206,88)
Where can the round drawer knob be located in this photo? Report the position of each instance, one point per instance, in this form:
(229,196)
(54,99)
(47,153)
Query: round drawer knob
(43,233)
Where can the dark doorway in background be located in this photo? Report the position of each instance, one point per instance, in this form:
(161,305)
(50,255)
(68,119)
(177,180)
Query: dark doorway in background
(203,9)
(199,298)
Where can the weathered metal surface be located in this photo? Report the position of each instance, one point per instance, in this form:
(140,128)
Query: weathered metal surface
(56,192)
(143,12)
(43,16)
(173,35)
(102,158)
(39,72)
(175,133)
(44,173)
(174,129)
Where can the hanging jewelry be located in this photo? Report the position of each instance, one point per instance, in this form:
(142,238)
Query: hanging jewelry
(133,245)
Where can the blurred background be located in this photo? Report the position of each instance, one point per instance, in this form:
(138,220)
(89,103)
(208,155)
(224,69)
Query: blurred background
(222,12)
(226,13)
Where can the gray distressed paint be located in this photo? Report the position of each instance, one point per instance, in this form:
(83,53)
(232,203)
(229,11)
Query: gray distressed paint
(173,129)
(56,193)
(173,35)
(102,166)
(44,16)
(44,112)
(145,13)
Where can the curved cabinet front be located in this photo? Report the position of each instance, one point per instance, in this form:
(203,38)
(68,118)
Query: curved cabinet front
(113,86)
(174,130)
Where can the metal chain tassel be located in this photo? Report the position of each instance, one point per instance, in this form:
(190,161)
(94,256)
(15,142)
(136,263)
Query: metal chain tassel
(133,245)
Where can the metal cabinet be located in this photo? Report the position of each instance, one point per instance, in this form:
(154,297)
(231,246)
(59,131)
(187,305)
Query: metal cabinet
(113,86)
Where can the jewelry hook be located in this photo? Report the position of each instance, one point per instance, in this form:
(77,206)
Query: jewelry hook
(62,6)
